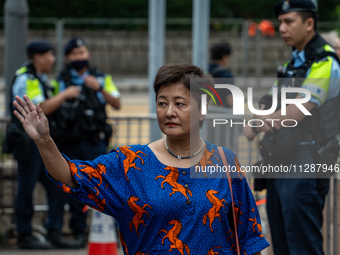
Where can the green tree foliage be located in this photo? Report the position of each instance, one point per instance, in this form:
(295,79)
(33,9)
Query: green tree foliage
(89,8)
(259,9)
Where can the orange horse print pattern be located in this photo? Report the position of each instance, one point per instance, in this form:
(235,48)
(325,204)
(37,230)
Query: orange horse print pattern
(96,173)
(130,158)
(66,189)
(93,173)
(231,234)
(259,227)
(74,169)
(215,210)
(139,212)
(172,234)
(94,197)
(211,251)
(206,158)
(233,246)
(238,212)
(172,178)
(122,242)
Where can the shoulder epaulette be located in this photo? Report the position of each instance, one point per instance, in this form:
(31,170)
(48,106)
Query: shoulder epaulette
(21,70)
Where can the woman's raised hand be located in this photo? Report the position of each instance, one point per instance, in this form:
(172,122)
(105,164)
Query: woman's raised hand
(32,118)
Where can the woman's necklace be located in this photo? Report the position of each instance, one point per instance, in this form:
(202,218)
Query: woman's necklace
(180,157)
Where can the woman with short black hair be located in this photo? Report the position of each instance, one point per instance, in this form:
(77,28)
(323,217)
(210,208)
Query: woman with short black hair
(161,204)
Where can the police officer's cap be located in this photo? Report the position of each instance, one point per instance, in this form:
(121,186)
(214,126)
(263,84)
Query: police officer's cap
(286,6)
(74,42)
(38,47)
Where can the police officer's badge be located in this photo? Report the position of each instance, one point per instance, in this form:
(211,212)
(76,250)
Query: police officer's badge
(80,42)
(285,5)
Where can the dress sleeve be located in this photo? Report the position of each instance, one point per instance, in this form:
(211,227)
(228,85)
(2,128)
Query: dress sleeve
(248,219)
(101,183)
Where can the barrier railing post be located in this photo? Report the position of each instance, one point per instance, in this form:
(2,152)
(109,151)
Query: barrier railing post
(335,216)
(59,34)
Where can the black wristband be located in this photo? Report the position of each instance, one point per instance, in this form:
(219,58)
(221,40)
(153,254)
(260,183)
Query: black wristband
(100,88)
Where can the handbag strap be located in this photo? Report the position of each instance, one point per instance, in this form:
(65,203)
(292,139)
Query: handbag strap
(225,163)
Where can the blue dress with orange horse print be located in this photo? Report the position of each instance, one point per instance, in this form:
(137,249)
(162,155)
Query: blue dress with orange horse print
(162,209)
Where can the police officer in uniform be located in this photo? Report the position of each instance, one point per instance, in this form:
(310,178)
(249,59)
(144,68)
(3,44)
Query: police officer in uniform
(79,126)
(294,205)
(31,79)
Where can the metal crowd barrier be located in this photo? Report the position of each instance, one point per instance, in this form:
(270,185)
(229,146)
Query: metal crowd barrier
(136,130)
(130,130)
(7,174)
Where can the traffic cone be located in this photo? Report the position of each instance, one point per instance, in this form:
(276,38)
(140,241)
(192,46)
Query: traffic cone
(103,237)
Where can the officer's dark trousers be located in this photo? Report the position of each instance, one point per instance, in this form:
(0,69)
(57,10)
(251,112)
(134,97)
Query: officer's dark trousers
(30,170)
(83,150)
(294,208)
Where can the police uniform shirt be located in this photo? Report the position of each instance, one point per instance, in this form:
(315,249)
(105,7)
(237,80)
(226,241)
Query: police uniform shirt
(322,79)
(27,84)
(105,81)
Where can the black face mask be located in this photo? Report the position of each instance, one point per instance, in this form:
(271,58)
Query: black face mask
(79,64)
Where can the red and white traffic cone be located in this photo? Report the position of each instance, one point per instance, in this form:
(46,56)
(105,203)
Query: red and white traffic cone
(103,237)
